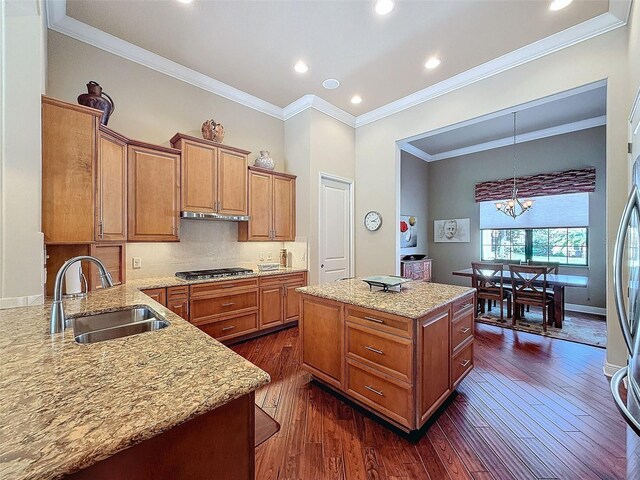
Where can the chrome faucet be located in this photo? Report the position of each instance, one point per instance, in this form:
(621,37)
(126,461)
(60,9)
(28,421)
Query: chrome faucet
(57,310)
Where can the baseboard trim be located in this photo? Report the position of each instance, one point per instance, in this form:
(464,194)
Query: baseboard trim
(585,309)
(27,301)
(609,369)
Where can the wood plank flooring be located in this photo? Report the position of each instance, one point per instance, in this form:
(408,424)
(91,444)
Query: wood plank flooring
(533,408)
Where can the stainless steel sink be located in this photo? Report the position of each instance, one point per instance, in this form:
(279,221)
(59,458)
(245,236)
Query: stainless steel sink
(118,324)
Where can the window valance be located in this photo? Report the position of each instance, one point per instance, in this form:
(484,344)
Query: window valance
(543,184)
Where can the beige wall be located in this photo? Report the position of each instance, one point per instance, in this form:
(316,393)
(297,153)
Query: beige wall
(634,49)
(21,242)
(377,156)
(152,107)
(414,198)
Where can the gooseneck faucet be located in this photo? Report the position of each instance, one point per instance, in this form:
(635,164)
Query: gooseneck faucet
(57,310)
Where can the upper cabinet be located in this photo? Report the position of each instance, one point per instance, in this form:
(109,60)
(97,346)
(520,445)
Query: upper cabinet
(68,171)
(111,186)
(272,212)
(214,176)
(154,193)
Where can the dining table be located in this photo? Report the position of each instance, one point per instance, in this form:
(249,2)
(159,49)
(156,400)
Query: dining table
(556,281)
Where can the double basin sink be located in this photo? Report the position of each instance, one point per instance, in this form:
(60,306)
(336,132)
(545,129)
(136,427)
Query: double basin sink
(110,325)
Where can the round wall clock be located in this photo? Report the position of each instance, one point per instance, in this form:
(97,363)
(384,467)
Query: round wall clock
(373,221)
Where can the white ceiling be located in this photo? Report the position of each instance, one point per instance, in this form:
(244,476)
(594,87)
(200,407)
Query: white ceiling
(565,112)
(253,45)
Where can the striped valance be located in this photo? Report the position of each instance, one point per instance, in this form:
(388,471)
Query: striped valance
(554,183)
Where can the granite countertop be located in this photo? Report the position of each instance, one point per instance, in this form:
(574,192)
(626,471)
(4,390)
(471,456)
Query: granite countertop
(66,406)
(415,300)
(173,281)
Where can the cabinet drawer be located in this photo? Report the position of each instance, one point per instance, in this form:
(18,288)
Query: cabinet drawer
(463,303)
(203,289)
(157,294)
(389,353)
(461,329)
(380,321)
(176,292)
(387,396)
(461,364)
(203,309)
(231,327)
(278,279)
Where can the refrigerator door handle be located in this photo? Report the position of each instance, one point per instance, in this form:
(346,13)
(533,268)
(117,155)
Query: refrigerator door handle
(618,254)
(616,380)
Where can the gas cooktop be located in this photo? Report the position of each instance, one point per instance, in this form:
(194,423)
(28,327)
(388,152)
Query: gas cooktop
(213,273)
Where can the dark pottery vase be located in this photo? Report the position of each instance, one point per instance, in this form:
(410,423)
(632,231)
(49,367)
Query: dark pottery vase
(96,98)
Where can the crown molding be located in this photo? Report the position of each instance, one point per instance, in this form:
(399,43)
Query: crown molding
(319,104)
(58,20)
(523,138)
(415,151)
(578,33)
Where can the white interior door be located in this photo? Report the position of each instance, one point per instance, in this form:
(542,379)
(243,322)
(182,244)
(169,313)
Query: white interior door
(335,228)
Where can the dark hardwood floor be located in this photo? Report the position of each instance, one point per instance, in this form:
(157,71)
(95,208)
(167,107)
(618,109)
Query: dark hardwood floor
(533,408)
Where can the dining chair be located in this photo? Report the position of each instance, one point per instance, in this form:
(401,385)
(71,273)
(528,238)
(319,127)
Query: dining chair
(552,269)
(529,288)
(488,280)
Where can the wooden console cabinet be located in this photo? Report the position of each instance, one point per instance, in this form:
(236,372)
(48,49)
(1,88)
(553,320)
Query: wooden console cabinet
(400,368)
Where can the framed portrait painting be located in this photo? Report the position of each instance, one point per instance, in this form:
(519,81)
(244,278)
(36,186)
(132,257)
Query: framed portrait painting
(451,230)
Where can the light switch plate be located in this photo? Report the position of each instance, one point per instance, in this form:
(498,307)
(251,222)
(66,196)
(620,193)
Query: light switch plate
(137,262)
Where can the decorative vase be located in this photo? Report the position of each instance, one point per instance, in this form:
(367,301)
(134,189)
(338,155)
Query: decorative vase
(264,160)
(96,98)
(211,130)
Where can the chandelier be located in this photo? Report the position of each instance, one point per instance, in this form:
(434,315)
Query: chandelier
(514,207)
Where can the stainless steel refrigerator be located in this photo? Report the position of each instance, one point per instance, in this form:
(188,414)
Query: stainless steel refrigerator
(626,280)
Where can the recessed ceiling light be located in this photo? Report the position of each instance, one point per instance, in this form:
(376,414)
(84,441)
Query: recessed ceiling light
(356,99)
(301,67)
(185,1)
(559,4)
(383,7)
(432,63)
(331,84)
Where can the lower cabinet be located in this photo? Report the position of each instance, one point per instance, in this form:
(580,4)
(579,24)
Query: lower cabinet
(400,368)
(416,269)
(236,309)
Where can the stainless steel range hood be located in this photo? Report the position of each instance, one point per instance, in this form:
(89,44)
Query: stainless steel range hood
(214,216)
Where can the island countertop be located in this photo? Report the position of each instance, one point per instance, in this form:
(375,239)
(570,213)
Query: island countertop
(415,300)
(66,406)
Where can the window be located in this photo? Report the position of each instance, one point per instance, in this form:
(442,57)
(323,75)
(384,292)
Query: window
(564,245)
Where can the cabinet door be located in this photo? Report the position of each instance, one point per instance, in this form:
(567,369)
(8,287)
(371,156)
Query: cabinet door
(198,177)
(154,195)
(271,306)
(427,271)
(111,189)
(232,182)
(322,333)
(284,211)
(157,294)
(292,302)
(260,206)
(434,362)
(407,271)
(113,256)
(68,149)
(179,306)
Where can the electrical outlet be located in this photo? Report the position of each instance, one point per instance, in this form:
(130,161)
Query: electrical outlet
(262,256)
(137,262)
(269,257)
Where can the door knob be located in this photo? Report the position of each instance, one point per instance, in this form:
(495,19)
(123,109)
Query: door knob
(322,266)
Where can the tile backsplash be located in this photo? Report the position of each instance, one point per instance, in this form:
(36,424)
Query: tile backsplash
(208,245)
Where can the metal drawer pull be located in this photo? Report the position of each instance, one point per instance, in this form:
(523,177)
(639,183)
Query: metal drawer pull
(373,319)
(465,363)
(371,389)
(231,327)
(465,330)
(374,350)
(465,306)
(227,304)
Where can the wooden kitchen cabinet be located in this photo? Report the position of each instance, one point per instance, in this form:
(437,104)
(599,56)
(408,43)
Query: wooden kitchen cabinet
(279,301)
(416,269)
(113,256)
(68,171)
(271,306)
(157,294)
(178,301)
(214,178)
(111,186)
(272,210)
(154,193)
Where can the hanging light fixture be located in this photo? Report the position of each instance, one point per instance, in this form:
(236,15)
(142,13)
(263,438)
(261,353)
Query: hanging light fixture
(514,207)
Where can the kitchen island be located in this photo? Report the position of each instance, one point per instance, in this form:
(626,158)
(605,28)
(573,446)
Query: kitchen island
(398,354)
(173,403)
